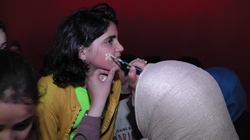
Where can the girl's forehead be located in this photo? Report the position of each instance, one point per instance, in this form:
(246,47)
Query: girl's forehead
(111,30)
(12,113)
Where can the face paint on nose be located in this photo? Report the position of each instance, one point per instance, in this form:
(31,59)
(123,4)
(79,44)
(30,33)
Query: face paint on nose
(108,56)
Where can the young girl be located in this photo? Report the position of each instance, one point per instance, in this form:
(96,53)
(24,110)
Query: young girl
(18,97)
(79,76)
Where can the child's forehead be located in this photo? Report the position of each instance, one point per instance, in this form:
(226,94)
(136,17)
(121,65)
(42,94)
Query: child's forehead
(111,31)
(18,106)
(12,114)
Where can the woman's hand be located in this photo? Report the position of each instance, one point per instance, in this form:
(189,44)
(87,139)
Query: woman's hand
(132,75)
(99,85)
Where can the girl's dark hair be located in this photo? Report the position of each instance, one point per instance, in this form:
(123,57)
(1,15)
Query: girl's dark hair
(77,30)
(17,79)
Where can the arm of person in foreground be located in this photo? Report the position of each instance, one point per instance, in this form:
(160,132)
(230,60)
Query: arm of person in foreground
(100,81)
(88,129)
(133,76)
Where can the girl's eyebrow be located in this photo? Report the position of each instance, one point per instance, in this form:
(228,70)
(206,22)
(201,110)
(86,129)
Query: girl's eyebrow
(110,37)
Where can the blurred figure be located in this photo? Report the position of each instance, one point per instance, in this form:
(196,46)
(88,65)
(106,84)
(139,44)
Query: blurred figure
(3,33)
(15,46)
(233,93)
(176,100)
(235,98)
(18,97)
(125,125)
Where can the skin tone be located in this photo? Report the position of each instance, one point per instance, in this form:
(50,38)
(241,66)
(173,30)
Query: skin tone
(98,88)
(16,121)
(3,42)
(106,44)
(132,76)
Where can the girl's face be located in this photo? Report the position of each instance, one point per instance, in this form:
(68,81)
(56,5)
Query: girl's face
(16,120)
(97,55)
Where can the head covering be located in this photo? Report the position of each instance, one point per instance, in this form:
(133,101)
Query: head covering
(232,90)
(177,100)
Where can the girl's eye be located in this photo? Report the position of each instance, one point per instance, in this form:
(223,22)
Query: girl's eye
(110,41)
(23,125)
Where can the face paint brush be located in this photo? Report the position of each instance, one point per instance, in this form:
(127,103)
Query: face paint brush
(125,63)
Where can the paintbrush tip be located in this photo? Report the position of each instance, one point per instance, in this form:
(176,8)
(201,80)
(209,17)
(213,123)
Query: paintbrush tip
(117,58)
(112,56)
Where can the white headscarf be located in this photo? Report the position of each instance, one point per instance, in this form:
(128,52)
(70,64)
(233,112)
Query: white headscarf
(176,100)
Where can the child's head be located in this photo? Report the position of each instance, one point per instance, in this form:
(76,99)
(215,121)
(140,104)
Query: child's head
(18,96)
(83,41)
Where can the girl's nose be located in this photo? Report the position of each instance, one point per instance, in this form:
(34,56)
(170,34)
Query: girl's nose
(119,47)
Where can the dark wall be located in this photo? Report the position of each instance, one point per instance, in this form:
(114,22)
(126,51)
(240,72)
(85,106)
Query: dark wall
(216,32)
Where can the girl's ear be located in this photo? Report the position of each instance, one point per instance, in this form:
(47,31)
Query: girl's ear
(82,53)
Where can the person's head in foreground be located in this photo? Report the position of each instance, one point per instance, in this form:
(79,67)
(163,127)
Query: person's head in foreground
(176,100)
(18,97)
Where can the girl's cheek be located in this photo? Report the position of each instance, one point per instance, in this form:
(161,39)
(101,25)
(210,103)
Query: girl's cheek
(103,61)
(108,57)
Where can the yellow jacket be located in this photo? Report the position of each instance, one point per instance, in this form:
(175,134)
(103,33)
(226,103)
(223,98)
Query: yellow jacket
(58,109)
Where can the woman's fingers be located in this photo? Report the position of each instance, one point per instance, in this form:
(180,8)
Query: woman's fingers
(104,75)
(132,75)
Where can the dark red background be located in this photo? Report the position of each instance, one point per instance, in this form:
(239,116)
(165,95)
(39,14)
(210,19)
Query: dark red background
(215,31)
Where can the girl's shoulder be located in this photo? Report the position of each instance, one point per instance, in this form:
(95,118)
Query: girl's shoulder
(48,90)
